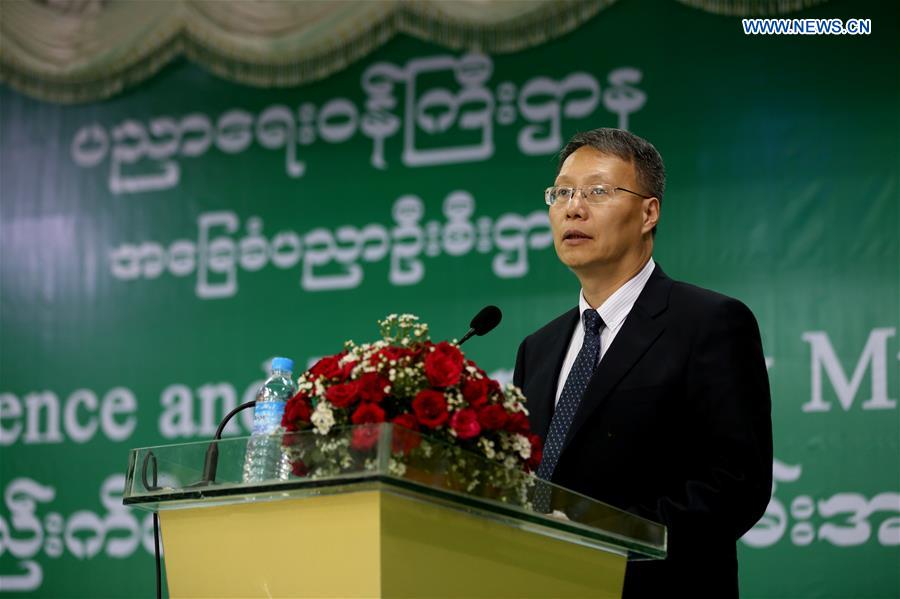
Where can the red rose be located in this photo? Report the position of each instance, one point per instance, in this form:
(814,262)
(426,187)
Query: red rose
(347,368)
(296,411)
(406,436)
(367,413)
(430,408)
(518,423)
(475,392)
(371,387)
(537,453)
(494,390)
(465,423)
(328,367)
(406,421)
(390,353)
(299,468)
(287,439)
(344,394)
(364,437)
(443,365)
(493,417)
(395,353)
(534,461)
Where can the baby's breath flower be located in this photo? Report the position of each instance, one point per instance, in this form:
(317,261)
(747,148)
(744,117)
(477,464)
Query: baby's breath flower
(322,417)
(455,399)
(522,445)
(396,467)
(426,448)
(487,446)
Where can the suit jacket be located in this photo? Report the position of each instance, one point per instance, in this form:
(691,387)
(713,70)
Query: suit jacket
(675,426)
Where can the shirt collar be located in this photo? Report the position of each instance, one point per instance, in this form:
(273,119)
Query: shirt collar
(617,306)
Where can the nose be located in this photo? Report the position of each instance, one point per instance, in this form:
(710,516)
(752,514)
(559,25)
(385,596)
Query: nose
(576,206)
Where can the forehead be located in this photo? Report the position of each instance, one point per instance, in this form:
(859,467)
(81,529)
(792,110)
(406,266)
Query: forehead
(587,164)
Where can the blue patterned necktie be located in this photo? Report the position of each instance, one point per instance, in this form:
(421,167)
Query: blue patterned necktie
(576,383)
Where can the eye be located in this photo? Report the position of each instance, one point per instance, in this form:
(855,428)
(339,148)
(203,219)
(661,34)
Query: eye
(563,192)
(599,192)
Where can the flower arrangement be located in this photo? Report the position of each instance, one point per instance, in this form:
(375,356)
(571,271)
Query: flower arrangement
(427,391)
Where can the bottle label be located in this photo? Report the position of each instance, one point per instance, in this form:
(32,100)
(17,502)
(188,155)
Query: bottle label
(267,417)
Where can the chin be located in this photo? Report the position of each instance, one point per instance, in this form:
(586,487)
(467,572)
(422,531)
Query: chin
(575,263)
(582,263)
(575,257)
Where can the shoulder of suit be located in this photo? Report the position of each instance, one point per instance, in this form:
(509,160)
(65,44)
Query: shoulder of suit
(691,298)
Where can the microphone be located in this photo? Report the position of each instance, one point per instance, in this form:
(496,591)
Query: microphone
(211,462)
(483,323)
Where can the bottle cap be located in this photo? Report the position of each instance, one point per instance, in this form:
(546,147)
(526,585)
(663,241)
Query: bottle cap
(282,364)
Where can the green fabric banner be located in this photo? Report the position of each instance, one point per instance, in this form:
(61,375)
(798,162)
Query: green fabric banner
(158,248)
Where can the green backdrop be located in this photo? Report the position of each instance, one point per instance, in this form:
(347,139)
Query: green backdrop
(159,247)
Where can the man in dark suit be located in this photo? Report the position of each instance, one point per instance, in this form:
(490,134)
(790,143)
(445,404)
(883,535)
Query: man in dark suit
(652,395)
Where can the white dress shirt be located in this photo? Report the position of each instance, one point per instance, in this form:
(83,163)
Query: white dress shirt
(613,312)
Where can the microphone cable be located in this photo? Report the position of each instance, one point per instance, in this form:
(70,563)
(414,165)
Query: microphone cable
(156,551)
(150,459)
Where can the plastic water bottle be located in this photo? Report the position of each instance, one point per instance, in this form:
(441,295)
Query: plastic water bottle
(265,459)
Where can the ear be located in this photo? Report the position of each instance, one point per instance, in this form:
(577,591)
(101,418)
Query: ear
(650,214)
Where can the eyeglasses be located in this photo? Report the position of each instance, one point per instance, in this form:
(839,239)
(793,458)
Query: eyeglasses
(592,194)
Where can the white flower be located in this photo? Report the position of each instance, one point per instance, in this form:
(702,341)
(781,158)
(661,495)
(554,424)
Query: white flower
(322,418)
(513,399)
(487,446)
(455,399)
(425,448)
(522,445)
(396,467)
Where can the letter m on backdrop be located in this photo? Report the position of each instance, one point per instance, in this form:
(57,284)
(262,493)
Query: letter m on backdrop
(873,358)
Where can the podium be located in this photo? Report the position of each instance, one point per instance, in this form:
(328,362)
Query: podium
(377,511)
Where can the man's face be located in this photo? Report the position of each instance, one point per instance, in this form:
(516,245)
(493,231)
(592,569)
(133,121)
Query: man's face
(603,235)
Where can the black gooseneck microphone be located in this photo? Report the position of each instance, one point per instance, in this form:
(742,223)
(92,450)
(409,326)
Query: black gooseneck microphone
(484,322)
(211,463)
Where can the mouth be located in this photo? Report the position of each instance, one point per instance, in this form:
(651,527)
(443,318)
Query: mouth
(575,236)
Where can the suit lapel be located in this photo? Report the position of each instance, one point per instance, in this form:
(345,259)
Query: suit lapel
(543,395)
(639,331)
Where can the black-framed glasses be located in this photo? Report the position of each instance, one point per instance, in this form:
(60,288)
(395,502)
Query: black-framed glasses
(592,194)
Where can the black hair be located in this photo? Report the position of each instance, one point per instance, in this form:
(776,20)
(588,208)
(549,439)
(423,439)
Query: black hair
(648,164)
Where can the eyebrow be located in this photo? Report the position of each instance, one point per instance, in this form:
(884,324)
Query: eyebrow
(591,179)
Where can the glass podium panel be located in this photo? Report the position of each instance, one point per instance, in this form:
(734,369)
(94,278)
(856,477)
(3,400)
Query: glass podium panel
(387,458)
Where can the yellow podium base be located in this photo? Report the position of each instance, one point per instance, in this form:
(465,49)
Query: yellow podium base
(372,544)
